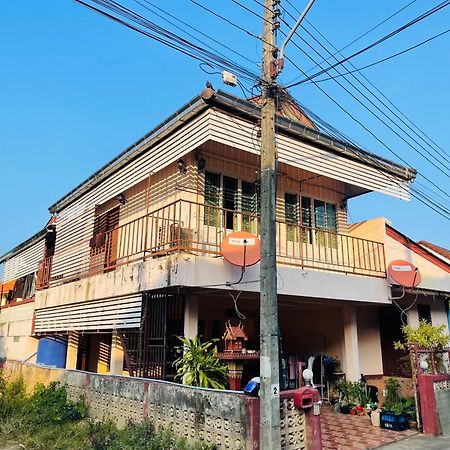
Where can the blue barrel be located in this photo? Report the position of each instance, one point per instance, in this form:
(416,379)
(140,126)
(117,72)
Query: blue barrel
(52,351)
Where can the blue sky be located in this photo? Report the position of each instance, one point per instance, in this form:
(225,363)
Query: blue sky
(76,89)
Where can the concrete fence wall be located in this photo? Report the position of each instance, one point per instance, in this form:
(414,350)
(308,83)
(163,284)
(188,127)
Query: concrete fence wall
(434,394)
(225,418)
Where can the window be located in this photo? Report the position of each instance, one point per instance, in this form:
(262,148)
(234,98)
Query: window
(250,205)
(223,199)
(230,200)
(291,215)
(424,312)
(104,240)
(325,221)
(306,220)
(212,198)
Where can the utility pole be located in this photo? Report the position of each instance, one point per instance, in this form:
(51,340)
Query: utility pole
(269,433)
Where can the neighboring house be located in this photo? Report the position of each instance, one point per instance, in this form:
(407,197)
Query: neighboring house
(137,259)
(428,301)
(17,292)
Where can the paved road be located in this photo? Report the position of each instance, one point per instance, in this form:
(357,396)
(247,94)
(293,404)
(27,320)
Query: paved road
(420,442)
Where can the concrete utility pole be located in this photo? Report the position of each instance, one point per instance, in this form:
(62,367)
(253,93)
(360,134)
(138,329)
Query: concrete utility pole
(269,433)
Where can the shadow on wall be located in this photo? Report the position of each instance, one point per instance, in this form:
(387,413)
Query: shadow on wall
(3,349)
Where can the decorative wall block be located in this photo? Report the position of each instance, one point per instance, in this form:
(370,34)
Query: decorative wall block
(292,426)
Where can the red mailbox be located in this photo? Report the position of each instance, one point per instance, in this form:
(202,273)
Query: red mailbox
(305,397)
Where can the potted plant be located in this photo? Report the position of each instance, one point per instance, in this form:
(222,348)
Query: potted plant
(353,397)
(393,416)
(342,386)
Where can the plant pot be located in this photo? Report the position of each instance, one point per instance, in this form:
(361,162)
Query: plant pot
(345,409)
(390,421)
(412,424)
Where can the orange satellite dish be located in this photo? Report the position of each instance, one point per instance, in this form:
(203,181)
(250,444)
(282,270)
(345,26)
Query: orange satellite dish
(404,273)
(241,249)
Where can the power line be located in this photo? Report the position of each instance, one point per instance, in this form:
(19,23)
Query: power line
(445,172)
(359,155)
(192,28)
(379,41)
(435,147)
(360,36)
(433,144)
(235,25)
(164,36)
(365,106)
(387,58)
(398,156)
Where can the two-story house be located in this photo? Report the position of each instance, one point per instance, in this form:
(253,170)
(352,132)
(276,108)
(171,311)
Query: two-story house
(137,257)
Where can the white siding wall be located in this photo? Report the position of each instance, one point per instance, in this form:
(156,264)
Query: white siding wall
(25,262)
(240,134)
(75,223)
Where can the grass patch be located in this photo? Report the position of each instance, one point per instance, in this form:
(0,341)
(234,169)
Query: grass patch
(47,420)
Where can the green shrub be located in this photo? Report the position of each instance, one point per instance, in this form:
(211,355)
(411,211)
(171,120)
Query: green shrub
(198,366)
(49,404)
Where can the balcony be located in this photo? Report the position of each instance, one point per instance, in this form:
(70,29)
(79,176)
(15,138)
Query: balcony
(189,227)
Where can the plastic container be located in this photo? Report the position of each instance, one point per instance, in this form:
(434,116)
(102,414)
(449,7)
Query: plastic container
(390,421)
(52,351)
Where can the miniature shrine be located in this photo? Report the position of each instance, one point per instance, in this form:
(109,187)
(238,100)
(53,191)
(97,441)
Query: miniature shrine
(235,353)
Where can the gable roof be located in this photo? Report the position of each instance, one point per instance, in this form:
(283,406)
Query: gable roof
(417,248)
(436,248)
(233,106)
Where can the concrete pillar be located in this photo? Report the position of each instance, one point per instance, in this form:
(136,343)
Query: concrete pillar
(72,350)
(191,316)
(116,361)
(351,353)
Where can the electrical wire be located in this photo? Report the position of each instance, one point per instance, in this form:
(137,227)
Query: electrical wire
(444,170)
(193,28)
(164,36)
(360,36)
(236,309)
(428,141)
(219,16)
(414,192)
(369,109)
(422,197)
(374,44)
(385,59)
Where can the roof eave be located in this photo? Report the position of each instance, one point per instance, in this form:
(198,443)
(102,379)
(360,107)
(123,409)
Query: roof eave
(177,119)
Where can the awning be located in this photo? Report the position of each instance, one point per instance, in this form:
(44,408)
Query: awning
(106,314)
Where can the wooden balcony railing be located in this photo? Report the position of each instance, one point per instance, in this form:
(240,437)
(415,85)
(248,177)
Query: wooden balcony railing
(185,226)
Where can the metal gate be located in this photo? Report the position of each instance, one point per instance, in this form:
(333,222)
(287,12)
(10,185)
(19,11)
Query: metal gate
(149,350)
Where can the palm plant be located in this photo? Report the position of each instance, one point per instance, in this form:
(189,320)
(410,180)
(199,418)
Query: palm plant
(198,365)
